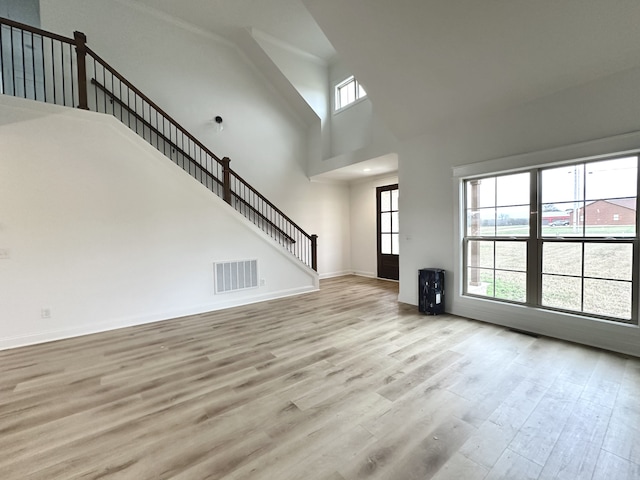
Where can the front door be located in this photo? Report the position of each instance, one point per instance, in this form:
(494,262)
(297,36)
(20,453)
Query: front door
(388,232)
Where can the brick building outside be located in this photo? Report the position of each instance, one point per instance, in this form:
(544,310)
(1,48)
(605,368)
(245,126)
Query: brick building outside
(621,211)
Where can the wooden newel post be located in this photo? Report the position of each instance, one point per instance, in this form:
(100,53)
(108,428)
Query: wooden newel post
(81,54)
(314,252)
(226,180)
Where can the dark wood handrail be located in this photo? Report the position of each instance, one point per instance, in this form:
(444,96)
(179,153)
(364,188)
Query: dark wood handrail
(37,31)
(151,103)
(155,130)
(265,200)
(263,217)
(207,173)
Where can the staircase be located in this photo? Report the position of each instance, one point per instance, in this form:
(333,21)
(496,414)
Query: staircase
(46,67)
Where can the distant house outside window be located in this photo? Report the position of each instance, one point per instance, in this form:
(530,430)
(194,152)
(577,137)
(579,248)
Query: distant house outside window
(347,92)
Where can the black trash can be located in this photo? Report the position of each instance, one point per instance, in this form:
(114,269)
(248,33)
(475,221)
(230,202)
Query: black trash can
(431,290)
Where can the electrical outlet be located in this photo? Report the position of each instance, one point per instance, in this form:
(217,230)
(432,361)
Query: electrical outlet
(45,312)
(263,282)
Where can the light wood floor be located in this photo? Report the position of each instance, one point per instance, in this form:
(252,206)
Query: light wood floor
(340,384)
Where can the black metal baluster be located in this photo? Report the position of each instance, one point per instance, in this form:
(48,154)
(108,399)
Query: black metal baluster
(185,154)
(128,106)
(175,143)
(24,66)
(185,166)
(155,126)
(95,87)
(104,94)
(163,138)
(44,69)
(2,58)
(182,150)
(33,66)
(53,73)
(131,109)
(150,126)
(146,122)
(73,77)
(157,136)
(121,107)
(164,141)
(174,153)
(135,110)
(13,65)
(120,103)
(64,93)
(141,119)
(157,129)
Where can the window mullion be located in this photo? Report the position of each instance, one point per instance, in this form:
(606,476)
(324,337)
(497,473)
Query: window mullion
(493,267)
(582,281)
(635,259)
(534,245)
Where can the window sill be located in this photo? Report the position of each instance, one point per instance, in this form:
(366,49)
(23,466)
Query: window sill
(347,107)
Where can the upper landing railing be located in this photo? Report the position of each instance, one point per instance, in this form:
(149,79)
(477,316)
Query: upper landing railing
(46,67)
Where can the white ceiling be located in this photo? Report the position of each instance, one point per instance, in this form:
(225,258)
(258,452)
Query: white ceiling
(286,20)
(425,63)
(384,165)
(430,63)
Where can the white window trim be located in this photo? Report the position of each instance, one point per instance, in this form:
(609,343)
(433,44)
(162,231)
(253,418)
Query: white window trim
(348,105)
(612,335)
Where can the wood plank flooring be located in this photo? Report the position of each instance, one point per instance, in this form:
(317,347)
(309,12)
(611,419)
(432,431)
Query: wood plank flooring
(341,384)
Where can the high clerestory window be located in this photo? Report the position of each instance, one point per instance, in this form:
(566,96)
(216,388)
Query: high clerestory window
(562,238)
(347,92)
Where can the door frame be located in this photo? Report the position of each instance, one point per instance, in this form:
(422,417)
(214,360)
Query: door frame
(379,255)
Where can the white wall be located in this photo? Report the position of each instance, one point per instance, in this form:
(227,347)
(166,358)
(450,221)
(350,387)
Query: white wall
(310,77)
(352,127)
(428,204)
(357,134)
(195,76)
(104,231)
(25,11)
(364,248)
(350,136)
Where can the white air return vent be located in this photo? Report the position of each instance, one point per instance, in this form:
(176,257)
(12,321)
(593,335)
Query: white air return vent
(233,276)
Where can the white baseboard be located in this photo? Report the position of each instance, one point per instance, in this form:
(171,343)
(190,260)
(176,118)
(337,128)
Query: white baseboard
(356,273)
(336,274)
(53,335)
(360,273)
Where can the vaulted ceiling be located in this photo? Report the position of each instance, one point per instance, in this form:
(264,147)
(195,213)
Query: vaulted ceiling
(430,62)
(427,63)
(286,20)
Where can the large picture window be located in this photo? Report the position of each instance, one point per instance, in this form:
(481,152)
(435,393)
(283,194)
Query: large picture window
(562,238)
